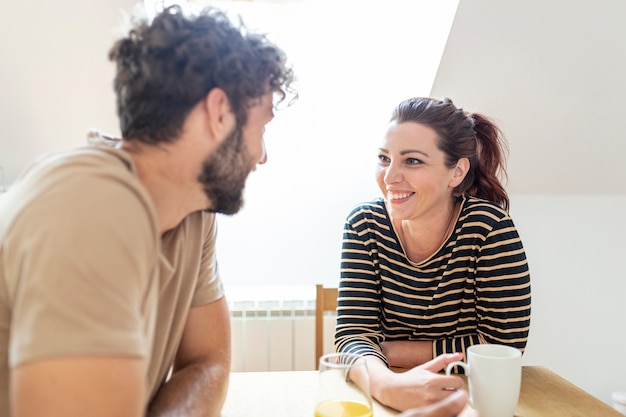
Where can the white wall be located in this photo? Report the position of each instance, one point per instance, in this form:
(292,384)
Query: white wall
(55,77)
(552,73)
(575,247)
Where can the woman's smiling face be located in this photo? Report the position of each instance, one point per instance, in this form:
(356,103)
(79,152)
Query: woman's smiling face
(411,173)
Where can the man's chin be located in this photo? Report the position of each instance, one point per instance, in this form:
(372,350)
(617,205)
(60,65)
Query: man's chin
(223,212)
(226,209)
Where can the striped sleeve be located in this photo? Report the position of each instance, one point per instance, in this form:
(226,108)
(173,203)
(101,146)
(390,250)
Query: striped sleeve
(358,310)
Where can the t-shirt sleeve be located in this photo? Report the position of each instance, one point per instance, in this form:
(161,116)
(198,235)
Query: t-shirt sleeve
(85,258)
(209,286)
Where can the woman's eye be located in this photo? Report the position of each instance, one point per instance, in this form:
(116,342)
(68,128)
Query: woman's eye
(413,161)
(383,159)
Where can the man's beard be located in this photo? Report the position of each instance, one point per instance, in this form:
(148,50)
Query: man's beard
(224,174)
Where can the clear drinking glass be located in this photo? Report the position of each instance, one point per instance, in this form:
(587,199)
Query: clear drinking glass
(343,387)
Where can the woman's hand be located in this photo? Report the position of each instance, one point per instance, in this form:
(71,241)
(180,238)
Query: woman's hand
(441,362)
(418,387)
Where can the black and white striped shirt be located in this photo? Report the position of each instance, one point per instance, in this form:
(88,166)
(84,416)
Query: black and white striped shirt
(475,289)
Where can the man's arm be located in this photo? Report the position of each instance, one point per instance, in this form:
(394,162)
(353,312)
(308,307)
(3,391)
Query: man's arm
(200,378)
(78,387)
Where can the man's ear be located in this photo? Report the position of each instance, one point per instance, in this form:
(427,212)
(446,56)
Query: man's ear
(459,172)
(221,120)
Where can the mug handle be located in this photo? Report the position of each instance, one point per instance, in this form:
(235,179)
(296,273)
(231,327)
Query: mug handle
(458,363)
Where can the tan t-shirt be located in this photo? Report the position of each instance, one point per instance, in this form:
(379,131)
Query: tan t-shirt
(83,270)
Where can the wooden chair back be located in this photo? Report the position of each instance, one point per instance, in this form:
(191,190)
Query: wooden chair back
(325,300)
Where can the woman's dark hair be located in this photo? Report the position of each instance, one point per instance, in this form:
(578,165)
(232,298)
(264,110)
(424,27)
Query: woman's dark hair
(463,135)
(165,67)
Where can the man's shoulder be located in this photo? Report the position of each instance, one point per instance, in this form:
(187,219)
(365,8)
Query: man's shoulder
(79,187)
(89,159)
(79,164)
(83,169)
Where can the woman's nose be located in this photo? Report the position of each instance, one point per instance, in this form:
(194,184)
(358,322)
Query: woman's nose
(392,174)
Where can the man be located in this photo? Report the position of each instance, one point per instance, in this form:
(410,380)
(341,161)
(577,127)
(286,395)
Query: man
(110,298)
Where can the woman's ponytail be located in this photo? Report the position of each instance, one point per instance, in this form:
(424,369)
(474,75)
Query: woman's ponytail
(490,170)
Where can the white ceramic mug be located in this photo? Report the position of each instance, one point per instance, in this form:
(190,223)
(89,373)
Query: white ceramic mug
(494,375)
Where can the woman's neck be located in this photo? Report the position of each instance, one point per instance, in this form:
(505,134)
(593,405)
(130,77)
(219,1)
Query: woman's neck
(421,239)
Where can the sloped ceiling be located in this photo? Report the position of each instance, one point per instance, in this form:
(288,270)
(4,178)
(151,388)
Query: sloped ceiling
(552,74)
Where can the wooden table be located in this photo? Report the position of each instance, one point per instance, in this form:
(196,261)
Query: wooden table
(544,393)
(292,394)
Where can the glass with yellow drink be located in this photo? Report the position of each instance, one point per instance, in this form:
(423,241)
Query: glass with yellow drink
(343,387)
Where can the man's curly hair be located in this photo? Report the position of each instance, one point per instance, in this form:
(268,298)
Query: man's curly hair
(165,67)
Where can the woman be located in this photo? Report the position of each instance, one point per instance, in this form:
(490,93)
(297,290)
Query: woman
(436,265)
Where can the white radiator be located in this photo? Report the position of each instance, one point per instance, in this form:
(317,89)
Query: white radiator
(274,331)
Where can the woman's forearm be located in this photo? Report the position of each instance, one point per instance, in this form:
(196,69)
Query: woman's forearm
(407,353)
